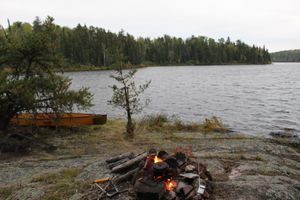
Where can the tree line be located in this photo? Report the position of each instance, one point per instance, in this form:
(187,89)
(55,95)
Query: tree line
(95,46)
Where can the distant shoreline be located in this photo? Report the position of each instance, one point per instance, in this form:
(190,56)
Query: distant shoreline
(286,62)
(105,68)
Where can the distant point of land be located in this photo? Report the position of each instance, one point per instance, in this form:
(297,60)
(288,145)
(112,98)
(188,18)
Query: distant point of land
(286,56)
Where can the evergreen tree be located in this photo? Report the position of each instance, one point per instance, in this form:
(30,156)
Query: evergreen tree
(126,95)
(28,83)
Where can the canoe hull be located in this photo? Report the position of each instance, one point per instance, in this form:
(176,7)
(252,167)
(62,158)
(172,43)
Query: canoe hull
(52,119)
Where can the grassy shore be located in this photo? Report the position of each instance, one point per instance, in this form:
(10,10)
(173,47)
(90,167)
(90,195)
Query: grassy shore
(243,167)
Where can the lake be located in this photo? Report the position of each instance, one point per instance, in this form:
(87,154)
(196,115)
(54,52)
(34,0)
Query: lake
(253,99)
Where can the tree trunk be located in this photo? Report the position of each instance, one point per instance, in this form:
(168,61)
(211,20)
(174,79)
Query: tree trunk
(4,121)
(5,116)
(130,126)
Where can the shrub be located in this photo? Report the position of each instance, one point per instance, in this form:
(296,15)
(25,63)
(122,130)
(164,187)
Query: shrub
(183,126)
(154,121)
(214,124)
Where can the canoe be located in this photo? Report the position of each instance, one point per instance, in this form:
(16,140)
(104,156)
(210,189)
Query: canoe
(62,119)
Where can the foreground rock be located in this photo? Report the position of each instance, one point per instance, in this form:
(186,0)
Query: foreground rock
(242,167)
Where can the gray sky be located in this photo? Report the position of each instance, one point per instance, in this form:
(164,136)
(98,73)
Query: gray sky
(274,23)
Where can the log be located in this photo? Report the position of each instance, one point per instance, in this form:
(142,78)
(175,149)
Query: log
(112,165)
(129,163)
(126,177)
(139,168)
(119,157)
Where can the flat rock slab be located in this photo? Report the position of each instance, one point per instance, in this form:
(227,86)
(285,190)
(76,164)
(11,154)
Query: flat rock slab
(27,193)
(258,187)
(22,172)
(242,168)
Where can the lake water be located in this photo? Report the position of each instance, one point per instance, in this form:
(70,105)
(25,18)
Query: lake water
(254,99)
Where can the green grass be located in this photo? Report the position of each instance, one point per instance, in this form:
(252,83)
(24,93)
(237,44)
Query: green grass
(66,190)
(62,184)
(66,175)
(91,140)
(163,123)
(154,122)
(179,125)
(258,158)
(5,192)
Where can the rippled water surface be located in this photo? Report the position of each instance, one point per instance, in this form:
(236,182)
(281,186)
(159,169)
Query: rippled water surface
(255,99)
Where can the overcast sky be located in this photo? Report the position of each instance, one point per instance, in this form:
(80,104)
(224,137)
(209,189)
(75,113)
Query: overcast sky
(273,23)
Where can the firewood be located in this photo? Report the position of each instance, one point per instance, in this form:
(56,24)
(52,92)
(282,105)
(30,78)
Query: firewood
(126,177)
(112,165)
(119,157)
(139,168)
(129,163)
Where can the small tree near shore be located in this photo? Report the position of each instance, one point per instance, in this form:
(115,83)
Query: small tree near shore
(126,96)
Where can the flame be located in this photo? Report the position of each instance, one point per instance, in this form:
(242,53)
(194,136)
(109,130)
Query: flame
(157,159)
(170,184)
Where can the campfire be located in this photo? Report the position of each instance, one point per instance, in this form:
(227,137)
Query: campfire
(156,175)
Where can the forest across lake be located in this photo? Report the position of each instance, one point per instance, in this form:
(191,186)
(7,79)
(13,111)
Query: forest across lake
(94,47)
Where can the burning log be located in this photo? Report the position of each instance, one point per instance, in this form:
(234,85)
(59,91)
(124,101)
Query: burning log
(129,163)
(158,175)
(170,184)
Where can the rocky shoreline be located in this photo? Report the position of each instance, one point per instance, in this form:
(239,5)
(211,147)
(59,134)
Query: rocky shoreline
(242,167)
